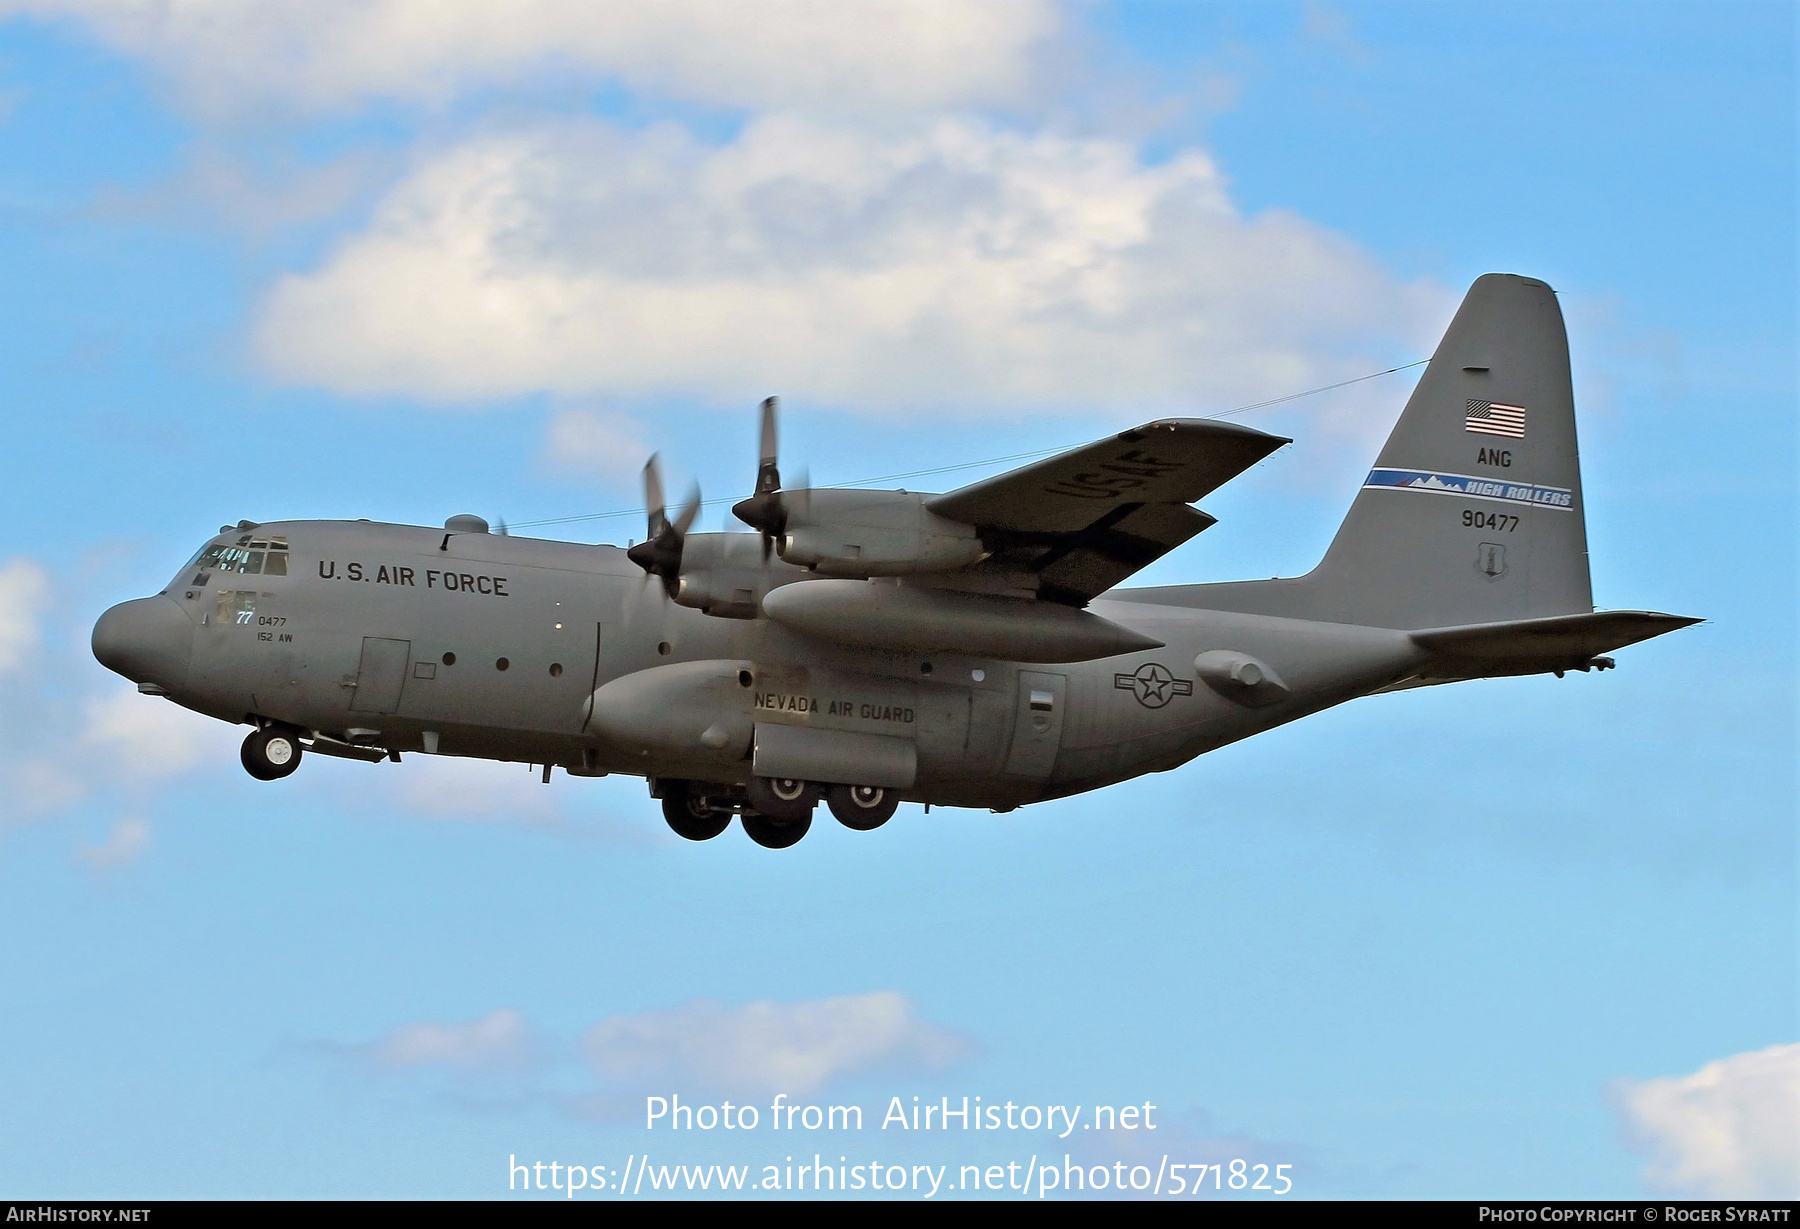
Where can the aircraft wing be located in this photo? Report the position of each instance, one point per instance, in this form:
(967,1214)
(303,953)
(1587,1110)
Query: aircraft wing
(1084,520)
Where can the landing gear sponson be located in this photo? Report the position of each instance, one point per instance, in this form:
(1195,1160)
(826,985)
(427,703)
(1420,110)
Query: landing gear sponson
(775,811)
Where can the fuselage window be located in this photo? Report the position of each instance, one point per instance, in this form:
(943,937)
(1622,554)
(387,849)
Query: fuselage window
(237,606)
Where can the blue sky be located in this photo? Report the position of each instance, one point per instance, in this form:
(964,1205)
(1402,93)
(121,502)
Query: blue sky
(1473,941)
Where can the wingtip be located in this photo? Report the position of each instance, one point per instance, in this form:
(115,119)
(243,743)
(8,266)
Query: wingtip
(1208,426)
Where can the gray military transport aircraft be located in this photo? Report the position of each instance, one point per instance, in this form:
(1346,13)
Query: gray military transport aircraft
(868,647)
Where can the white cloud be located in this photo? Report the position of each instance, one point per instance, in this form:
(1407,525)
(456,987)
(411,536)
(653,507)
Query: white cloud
(255,193)
(146,739)
(500,1041)
(767,1047)
(313,55)
(450,787)
(36,786)
(1731,1130)
(129,838)
(862,241)
(585,442)
(24,593)
(459,789)
(950,264)
(1327,27)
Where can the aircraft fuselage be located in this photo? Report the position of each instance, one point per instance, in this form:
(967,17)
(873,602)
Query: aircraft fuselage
(390,638)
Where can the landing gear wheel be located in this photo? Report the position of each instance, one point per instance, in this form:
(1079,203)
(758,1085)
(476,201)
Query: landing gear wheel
(862,807)
(773,833)
(271,754)
(783,798)
(692,818)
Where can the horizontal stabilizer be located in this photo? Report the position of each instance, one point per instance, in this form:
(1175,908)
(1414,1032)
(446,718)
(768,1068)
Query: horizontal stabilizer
(1557,637)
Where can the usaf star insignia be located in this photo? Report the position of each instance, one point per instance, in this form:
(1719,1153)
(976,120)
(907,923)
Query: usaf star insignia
(1153,685)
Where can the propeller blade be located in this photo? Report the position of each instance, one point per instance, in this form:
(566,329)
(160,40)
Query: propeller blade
(653,496)
(764,510)
(685,521)
(768,473)
(787,503)
(660,553)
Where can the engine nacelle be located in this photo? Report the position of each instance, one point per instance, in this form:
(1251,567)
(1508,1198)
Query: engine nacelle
(912,618)
(861,534)
(725,575)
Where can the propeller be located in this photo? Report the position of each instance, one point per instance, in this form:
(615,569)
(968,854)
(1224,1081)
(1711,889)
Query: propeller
(764,510)
(659,554)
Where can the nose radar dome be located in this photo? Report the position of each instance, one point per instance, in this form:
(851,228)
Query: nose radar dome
(148,640)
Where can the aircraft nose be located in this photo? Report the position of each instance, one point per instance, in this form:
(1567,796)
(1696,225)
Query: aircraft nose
(148,640)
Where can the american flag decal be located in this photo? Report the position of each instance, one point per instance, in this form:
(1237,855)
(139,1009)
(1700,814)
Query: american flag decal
(1492,418)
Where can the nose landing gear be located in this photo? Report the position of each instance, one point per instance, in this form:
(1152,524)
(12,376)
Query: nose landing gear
(271,754)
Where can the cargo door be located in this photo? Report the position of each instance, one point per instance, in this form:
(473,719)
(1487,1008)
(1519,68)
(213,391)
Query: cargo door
(1037,724)
(380,675)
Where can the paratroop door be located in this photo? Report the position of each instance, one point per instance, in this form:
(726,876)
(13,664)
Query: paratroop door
(1038,724)
(381,675)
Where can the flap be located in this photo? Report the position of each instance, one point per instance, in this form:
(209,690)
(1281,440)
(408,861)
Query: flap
(1083,565)
(835,757)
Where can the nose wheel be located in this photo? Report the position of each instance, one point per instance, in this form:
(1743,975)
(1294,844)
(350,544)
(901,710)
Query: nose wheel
(271,754)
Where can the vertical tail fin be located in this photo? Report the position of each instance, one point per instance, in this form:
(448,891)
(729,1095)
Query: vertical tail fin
(1473,511)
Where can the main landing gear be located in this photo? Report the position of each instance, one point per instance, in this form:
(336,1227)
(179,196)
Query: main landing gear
(692,817)
(271,753)
(775,811)
(772,833)
(862,807)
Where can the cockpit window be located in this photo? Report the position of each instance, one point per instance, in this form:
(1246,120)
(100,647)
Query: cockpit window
(249,557)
